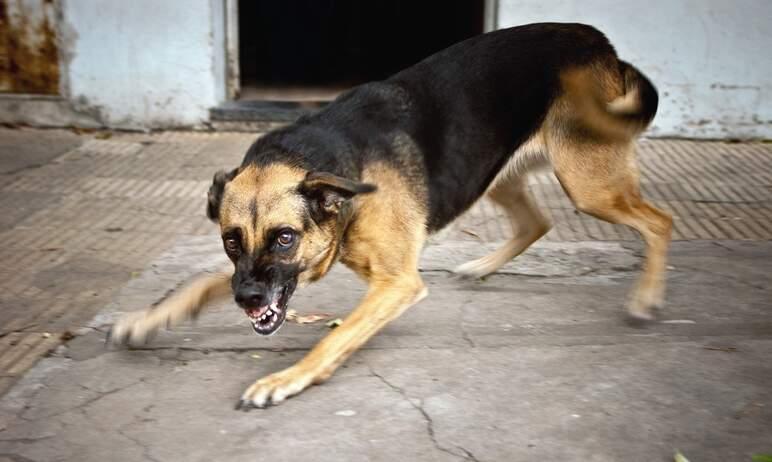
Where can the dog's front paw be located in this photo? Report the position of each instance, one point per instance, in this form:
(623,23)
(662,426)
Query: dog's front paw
(133,329)
(275,388)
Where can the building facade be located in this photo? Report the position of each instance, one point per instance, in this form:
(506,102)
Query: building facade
(149,64)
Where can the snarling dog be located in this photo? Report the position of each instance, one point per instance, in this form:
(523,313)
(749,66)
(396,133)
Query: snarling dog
(366,179)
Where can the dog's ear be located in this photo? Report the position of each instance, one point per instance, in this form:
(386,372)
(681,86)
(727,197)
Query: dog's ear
(329,192)
(214,196)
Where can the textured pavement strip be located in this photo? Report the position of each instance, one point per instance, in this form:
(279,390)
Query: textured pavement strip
(78,227)
(714,190)
(108,207)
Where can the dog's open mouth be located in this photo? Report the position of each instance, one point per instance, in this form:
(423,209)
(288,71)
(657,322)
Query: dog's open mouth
(267,319)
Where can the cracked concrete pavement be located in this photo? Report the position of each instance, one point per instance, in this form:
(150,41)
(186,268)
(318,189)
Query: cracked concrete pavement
(534,363)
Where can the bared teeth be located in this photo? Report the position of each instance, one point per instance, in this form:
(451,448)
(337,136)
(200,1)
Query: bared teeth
(265,318)
(269,315)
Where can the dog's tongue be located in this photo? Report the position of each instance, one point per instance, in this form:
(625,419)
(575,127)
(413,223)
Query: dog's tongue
(257,312)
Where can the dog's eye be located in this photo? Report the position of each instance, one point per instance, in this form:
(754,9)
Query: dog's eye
(285,238)
(231,245)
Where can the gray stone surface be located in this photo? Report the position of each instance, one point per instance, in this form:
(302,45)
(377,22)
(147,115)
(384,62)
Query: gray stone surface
(535,363)
(23,149)
(480,370)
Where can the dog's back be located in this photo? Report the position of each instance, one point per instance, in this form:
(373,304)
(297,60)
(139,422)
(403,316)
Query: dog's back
(484,97)
(456,118)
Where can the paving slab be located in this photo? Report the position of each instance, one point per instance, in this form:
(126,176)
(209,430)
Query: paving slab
(534,363)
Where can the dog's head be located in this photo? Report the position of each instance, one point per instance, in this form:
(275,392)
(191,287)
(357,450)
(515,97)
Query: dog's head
(281,226)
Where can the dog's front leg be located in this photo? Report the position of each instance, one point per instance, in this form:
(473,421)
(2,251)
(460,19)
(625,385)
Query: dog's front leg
(385,301)
(135,328)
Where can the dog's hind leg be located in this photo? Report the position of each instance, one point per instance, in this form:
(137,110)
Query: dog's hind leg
(135,328)
(602,180)
(528,225)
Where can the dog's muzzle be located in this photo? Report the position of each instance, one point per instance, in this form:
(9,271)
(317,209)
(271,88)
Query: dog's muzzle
(267,319)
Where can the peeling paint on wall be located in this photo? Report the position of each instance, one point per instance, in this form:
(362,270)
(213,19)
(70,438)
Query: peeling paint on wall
(29,58)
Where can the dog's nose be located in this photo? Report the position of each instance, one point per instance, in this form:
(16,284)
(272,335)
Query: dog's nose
(250,297)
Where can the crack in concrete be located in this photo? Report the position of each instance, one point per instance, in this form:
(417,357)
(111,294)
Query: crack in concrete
(27,440)
(722,246)
(19,413)
(556,339)
(514,274)
(466,337)
(467,455)
(464,333)
(635,249)
(22,169)
(83,409)
(82,406)
(169,292)
(207,350)
(484,278)
(100,329)
(103,394)
(17,457)
(731,277)
(242,350)
(145,448)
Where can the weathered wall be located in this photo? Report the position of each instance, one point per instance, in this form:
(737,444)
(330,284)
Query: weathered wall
(710,59)
(154,64)
(29,60)
(145,63)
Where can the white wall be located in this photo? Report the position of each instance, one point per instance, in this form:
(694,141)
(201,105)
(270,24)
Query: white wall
(144,63)
(710,59)
(161,63)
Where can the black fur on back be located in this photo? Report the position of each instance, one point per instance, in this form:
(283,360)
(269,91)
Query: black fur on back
(466,110)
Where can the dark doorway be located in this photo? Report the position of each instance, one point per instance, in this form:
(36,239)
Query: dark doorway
(313,49)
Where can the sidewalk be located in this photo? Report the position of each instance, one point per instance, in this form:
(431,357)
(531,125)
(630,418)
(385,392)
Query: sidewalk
(535,363)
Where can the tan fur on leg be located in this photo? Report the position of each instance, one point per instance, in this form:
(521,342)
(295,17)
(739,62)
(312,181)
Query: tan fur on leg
(528,225)
(389,265)
(135,328)
(602,180)
(383,303)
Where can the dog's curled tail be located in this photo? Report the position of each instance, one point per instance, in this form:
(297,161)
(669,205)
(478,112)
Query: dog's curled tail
(622,118)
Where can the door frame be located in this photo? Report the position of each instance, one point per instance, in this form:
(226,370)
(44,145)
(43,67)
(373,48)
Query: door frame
(232,63)
(491,16)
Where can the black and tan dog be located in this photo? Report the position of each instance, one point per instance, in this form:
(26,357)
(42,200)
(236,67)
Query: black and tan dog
(365,180)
